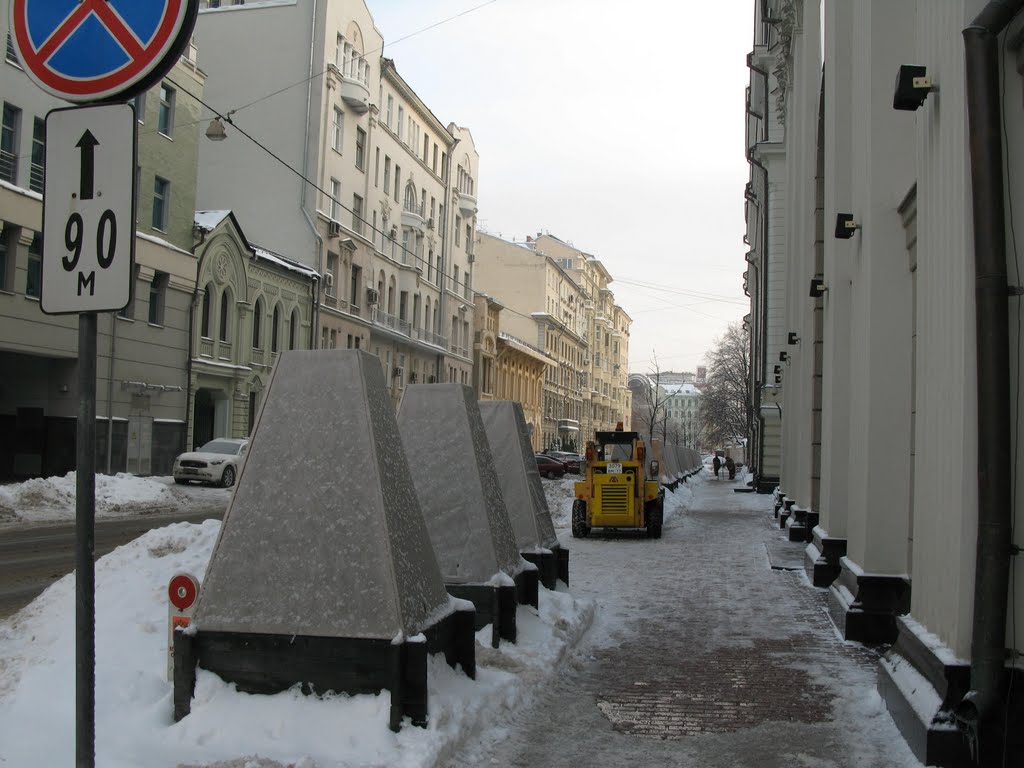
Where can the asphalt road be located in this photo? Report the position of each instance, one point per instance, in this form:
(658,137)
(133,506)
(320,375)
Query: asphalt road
(34,556)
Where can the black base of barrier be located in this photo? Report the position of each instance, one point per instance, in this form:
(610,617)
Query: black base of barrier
(267,664)
(552,566)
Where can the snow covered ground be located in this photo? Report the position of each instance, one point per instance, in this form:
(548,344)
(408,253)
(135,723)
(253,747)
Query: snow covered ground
(133,697)
(52,499)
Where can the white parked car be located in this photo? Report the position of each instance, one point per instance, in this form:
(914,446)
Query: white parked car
(218,462)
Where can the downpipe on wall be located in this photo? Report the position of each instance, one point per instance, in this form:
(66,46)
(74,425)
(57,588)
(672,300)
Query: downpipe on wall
(992,567)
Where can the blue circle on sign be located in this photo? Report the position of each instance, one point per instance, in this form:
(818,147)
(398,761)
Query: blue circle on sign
(90,50)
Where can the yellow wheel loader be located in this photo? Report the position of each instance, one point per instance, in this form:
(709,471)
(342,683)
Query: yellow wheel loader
(616,491)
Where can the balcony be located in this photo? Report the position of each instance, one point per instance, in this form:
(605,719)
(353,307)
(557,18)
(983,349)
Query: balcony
(414,221)
(356,95)
(467,204)
(383,319)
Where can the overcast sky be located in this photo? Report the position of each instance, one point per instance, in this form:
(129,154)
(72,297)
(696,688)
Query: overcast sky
(616,126)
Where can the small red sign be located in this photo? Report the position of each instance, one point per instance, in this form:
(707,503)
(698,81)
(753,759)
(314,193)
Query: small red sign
(183,591)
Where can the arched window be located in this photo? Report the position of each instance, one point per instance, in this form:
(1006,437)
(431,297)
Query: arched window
(204,324)
(293,329)
(225,315)
(275,329)
(411,203)
(257,324)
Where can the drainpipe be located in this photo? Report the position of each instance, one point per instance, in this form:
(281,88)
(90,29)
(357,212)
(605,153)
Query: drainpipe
(110,388)
(992,571)
(314,331)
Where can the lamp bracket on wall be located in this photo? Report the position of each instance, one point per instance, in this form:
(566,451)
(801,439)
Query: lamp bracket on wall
(793,338)
(845,226)
(818,287)
(912,87)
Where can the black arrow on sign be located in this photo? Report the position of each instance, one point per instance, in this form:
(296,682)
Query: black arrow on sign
(87,143)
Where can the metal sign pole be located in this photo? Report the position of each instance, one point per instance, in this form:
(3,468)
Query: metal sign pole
(85,574)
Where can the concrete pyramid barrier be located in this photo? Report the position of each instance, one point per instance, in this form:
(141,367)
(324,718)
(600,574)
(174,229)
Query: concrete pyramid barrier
(521,487)
(323,573)
(460,494)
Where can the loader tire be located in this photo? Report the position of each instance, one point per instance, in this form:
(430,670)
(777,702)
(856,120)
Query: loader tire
(580,529)
(655,518)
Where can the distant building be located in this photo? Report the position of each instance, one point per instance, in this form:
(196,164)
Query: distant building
(142,351)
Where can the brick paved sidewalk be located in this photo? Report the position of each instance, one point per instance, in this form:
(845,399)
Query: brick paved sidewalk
(703,655)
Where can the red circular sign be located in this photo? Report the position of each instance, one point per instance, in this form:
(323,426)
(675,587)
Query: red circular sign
(183,591)
(92,50)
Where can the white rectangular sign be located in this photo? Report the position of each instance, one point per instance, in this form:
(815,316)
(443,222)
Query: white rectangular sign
(89,209)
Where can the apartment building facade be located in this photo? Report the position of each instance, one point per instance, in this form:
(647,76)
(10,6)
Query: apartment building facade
(508,368)
(142,350)
(557,298)
(379,213)
(901,341)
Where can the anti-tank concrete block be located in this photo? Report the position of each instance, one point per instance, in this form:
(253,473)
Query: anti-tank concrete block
(324,563)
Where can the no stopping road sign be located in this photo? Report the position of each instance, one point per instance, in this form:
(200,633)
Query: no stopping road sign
(94,50)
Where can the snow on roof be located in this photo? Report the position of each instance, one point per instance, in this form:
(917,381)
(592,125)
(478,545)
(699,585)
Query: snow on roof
(208,220)
(284,261)
(687,388)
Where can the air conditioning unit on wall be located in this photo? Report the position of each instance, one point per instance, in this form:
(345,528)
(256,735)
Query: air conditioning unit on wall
(333,229)
(372,296)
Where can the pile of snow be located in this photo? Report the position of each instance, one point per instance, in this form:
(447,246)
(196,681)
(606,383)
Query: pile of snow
(52,498)
(560,494)
(134,724)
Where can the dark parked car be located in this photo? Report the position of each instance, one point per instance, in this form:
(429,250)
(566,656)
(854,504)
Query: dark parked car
(573,461)
(549,467)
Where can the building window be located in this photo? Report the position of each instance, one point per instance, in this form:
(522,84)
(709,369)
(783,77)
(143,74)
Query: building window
(376,168)
(165,123)
(34,278)
(257,324)
(37,174)
(469,238)
(410,199)
(331,278)
(161,194)
(225,315)
(338,129)
(357,214)
(391,111)
(426,149)
(360,149)
(335,199)
(275,329)
(433,165)
(293,330)
(12,55)
(458,227)
(9,144)
(387,174)
(398,181)
(204,325)
(357,281)
(6,260)
(401,119)
(158,297)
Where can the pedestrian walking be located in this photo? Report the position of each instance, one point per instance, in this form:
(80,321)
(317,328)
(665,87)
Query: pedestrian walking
(716,464)
(730,465)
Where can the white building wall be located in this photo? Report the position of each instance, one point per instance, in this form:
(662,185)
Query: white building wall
(880,322)
(801,141)
(835,448)
(945,493)
(233,174)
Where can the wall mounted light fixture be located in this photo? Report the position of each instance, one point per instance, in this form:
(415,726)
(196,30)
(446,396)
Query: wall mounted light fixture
(783,356)
(912,87)
(793,338)
(845,226)
(818,288)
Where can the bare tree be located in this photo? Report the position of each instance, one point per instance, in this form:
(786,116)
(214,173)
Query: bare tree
(725,400)
(649,402)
